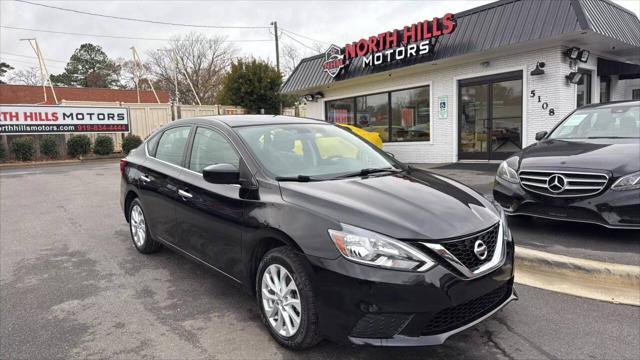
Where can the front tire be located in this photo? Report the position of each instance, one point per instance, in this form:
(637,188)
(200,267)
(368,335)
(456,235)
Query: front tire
(286,299)
(139,229)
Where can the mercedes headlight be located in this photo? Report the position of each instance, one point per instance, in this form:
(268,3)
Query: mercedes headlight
(507,170)
(370,248)
(628,182)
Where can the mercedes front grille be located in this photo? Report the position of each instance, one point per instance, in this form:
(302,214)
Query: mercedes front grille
(562,183)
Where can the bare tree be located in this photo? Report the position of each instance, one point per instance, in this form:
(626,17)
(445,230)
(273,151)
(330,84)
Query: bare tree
(202,60)
(290,56)
(130,73)
(30,76)
(291,53)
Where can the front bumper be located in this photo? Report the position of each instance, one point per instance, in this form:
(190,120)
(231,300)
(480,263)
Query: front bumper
(613,209)
(369,306)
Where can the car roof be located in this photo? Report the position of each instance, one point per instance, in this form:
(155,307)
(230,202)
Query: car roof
(611,104)
(248,120)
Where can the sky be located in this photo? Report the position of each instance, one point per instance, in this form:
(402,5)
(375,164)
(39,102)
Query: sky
(336,22)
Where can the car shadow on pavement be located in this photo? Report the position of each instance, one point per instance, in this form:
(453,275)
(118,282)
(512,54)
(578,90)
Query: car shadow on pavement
(583,240)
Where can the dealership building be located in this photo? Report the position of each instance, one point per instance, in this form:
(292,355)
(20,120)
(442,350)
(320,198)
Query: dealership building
(479,84)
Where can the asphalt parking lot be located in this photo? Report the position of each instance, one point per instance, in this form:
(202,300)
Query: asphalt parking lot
(73,286)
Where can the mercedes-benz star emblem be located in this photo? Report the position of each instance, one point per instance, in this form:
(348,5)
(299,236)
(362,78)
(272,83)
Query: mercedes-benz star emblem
(480,249)
(556,183)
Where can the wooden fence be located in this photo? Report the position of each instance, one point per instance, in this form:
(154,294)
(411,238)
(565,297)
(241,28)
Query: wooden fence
(145,119)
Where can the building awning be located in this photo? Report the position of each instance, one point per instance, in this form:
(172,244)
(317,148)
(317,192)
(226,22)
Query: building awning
(623,70)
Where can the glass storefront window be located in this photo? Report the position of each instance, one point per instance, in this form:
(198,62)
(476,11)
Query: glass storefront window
(584,89)
(373,114)
(406,112)
(340,111)
(410,115)
(506,116)
(605,90)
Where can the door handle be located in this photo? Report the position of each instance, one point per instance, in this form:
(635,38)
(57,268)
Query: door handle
(145,178)
(184,194)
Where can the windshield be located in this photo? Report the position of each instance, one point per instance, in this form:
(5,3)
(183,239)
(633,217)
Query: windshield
(621,121)
(310,150)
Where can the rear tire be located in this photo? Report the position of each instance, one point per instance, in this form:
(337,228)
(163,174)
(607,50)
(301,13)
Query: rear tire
(139,229)
(285,293)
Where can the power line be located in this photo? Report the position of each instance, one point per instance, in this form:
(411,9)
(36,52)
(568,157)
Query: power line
(300,42)
(142,20)
(113,36)
(59,67)
(305,37)
(32,57)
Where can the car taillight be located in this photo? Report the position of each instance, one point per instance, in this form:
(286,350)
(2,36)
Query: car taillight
(123,165)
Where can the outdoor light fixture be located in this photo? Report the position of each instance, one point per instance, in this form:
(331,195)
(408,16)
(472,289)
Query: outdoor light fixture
(574,77)
(538,70)
(584,55)
(313,97)
(573,53)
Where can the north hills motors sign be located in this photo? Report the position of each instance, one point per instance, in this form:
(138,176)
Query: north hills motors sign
(397,45)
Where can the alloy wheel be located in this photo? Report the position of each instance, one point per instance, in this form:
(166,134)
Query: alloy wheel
(138,225)
(281,300)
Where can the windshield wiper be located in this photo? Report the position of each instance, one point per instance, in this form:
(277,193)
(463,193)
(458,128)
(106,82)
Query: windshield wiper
(368,171)
(299,178)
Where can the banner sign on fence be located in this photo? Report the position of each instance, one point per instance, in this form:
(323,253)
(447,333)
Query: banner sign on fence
(26,119)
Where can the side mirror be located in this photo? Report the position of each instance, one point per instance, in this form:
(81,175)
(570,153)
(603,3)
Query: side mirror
(221,174)
(540,135)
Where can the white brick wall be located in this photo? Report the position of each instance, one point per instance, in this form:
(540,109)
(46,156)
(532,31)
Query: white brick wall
(552,87)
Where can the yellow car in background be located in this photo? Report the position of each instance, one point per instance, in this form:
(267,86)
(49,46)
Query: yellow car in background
(334,146)
(372,137)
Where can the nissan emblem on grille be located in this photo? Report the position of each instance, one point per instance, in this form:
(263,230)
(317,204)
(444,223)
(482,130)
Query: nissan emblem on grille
(556,183)
(480,249)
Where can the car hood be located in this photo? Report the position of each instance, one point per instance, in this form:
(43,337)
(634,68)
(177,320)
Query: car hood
(415,204)
(619,156)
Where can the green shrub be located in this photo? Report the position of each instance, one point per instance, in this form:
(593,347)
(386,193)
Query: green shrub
(130,142)
(78,145)
(103,145)
(2,153)
(49,147)
(23,148)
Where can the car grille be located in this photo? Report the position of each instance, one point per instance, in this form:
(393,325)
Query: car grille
(380,326)
(463,249)
(459,315)
(562,183)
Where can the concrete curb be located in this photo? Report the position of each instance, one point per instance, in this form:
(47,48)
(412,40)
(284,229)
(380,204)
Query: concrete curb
(35,164)
(598,280)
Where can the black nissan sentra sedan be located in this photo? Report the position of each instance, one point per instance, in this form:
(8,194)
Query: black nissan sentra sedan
(334,237)
(586,169)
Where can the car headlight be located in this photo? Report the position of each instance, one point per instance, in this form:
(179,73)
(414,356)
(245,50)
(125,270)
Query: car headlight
(370,248)
(628,182)
(506,232)
(506,170)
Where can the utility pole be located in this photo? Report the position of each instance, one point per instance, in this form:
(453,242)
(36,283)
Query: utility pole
(174,58)
(44,73)
(275,31)
(141,71)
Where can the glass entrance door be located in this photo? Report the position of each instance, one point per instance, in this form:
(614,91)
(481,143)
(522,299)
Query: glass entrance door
(490,117)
